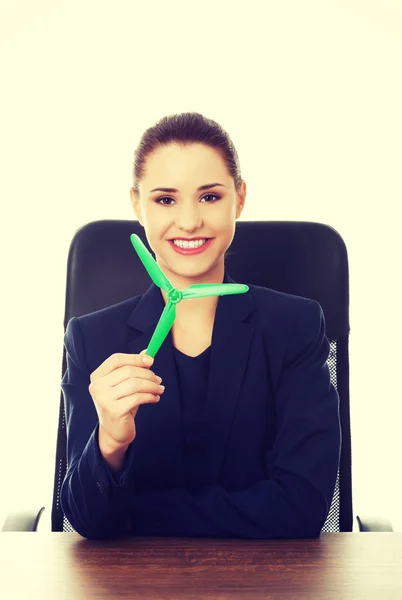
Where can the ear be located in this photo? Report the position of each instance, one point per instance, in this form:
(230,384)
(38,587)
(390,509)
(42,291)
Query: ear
(136,205)
(241,199)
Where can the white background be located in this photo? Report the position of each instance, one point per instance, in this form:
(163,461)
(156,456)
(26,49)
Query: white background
(310,92)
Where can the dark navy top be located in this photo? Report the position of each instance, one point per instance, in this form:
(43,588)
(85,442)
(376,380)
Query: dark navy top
(192,374)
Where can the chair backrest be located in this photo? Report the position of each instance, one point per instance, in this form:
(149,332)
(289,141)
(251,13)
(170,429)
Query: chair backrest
(297,257)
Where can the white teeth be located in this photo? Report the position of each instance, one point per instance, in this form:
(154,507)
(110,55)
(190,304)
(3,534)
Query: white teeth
(184,244)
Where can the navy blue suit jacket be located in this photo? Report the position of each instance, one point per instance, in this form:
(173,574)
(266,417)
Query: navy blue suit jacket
(274,437)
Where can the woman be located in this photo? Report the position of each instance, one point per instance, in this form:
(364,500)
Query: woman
(244,439)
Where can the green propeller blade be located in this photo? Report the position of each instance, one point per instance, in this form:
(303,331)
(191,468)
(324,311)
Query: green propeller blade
(157,275)
(199,290)
(174,295)
(162,329)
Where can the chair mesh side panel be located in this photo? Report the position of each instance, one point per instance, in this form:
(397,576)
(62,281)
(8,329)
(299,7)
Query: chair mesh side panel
(61,474)
(67,525)
(332,520)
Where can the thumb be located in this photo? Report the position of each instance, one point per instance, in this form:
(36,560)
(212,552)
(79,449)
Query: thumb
(147,360)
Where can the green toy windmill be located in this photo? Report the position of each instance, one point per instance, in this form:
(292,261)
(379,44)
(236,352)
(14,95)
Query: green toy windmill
(174,295)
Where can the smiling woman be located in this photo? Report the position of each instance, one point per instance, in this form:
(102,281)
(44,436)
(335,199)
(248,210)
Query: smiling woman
(184,156)
(243,439)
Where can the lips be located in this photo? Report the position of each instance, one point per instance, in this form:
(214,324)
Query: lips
(189,239)
(197,250)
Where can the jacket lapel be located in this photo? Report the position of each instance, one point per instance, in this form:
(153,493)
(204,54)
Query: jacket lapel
(231,340)
(160,448)
(159,444)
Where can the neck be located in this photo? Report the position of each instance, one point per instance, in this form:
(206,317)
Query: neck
(181,282)
(195,310)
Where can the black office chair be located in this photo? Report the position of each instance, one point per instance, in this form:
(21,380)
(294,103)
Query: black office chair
(302,258)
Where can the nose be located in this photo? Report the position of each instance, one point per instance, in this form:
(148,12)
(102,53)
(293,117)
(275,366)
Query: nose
(188,218)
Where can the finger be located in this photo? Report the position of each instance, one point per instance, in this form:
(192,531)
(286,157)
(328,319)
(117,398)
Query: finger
(133,411)
(146,359)
(131,404)
(129,372)
(128,405)
(135,386)
(116,361)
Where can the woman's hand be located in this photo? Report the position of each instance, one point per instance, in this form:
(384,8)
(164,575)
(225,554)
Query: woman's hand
(118,387)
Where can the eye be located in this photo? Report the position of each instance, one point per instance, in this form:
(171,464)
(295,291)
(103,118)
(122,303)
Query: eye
(213,195)
(159,200)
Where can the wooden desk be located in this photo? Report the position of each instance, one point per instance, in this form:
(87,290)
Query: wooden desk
(65,566)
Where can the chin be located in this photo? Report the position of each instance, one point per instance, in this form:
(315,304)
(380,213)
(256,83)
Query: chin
(197,266)
(206,273)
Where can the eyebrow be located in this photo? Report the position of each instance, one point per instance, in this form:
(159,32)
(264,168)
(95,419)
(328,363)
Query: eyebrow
(207,186)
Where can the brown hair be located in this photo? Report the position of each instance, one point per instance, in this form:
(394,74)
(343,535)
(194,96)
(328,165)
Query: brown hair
(186,128)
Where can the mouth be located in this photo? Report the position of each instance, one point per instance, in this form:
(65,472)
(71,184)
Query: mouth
(190,246)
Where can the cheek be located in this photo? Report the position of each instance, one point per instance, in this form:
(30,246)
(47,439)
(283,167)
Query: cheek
(152,220)
(155,228)
(225,220)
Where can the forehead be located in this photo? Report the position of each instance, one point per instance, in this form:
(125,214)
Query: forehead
(183,163)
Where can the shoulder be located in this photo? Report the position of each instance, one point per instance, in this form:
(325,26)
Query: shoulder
(288,325)
(89,339)
(286,320)
(111,314)
(108,323)
(272,305)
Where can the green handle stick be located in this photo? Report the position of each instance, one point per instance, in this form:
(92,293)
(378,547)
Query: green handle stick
(174,295)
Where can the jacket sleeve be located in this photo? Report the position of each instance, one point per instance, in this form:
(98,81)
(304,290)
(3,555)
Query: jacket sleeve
(293,502)
(93,497)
